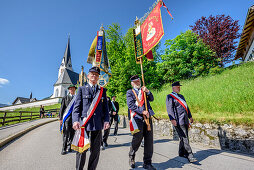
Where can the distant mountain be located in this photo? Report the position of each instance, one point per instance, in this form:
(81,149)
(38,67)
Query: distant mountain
(2,105)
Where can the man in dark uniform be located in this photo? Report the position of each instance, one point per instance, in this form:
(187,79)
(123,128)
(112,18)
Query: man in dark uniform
(180,116)
(133,102)
(106,132)
(114,113)
(68,132)
(98,121)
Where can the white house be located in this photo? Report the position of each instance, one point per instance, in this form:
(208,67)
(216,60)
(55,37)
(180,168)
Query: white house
(245,48)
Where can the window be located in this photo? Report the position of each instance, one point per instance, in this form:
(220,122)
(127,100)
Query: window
(56,93)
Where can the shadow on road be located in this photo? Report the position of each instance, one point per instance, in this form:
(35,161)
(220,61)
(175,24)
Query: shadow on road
(179,162)
(115,145)
(121,134)
(161,140)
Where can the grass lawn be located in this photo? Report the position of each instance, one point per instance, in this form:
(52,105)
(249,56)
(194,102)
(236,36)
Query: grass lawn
(223,98)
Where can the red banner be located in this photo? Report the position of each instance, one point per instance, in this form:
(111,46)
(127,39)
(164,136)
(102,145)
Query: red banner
(152,29)
(149,56)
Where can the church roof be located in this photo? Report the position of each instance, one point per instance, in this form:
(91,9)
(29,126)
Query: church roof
(67,53)
(67,77)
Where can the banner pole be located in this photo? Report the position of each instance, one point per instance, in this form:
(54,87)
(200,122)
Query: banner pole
(143,80)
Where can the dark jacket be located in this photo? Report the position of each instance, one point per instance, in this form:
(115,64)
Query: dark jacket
(83,101)
(109,105)
(116,105)
(176,111)
(131,103)
(64,104)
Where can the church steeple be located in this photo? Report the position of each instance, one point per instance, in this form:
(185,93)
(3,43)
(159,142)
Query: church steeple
(66,62)
(67,53)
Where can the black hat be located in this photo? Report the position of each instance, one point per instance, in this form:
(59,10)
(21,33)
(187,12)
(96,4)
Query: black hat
(72,85)
(177,83)
(95,69)
(135,77)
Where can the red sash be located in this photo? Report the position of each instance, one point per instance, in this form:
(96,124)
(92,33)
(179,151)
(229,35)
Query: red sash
(81,141)
(185,107)
(182,103)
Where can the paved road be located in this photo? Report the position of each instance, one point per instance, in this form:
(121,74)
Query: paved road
(6,131)
(40,150)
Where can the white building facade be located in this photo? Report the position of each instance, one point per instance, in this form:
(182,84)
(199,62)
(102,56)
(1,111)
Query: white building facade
(66,75)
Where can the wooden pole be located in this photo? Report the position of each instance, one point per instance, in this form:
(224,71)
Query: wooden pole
(137,23)
(20,116)
(143,80)
(4,118)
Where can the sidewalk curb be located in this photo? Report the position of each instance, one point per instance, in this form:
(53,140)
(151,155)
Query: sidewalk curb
(12,137)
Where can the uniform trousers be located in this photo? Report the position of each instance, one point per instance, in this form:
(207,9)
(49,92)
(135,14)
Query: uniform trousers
(184,146)
(95,143)
(148,141)
(68,134)
(107,131)
(115,118)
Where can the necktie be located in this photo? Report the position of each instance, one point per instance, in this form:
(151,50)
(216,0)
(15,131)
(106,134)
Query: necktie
(93,88)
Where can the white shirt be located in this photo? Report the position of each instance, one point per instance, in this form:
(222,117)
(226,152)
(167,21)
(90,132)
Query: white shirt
(95,86)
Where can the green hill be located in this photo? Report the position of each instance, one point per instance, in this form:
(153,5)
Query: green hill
(223,98)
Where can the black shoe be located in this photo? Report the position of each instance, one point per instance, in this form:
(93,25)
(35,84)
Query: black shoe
(192,160)
(105,144)
(149,167)
(69,150)
(184,156)
(63,152)
(132,162)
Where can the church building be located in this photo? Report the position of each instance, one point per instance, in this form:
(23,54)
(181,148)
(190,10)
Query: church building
(66,75)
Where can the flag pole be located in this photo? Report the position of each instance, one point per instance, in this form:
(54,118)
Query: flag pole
(137,23)
(143,80)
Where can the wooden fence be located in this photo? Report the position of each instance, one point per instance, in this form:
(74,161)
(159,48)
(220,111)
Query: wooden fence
(18,116)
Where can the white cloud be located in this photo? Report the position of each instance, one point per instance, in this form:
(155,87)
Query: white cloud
(4,81)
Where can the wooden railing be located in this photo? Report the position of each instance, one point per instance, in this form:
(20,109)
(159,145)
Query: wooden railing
(18,116)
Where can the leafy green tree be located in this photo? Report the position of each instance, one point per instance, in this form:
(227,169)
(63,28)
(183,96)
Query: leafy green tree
(220,32)
(186,56)
(121,56)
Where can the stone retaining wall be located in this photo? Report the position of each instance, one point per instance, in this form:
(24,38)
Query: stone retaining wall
(234,138)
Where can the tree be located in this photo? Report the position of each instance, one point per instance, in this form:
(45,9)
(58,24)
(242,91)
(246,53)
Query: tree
(186,56)
(121,56)
(220,33)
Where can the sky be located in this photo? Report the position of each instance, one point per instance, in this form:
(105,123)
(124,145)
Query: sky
(34,34)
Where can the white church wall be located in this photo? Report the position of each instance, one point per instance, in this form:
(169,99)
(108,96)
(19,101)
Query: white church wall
(64,90)
(45,102)
(56,92)
(61,91)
